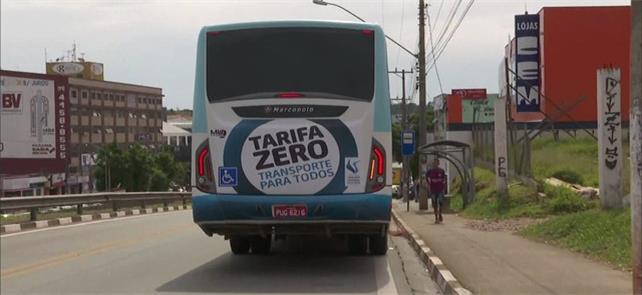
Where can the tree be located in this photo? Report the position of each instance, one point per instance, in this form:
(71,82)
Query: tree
(110,162)
(139,169)
(396,142)
(139,162)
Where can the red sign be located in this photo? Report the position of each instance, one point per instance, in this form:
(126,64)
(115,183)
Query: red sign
(476,93)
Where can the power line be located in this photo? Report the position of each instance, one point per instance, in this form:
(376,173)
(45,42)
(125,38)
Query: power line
(452,32)
(449,20)
(441,4)
(400,30)
(432,47)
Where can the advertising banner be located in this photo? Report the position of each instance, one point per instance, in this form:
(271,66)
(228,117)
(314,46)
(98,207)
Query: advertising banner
(527,63)
(478,110)
(34,119)
(295,157)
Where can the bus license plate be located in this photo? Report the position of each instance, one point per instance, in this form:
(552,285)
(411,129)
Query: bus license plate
(289,211)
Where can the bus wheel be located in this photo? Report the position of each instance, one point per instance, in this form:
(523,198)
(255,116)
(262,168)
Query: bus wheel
(239,245)
(379,244)
(357,244)
(261,245)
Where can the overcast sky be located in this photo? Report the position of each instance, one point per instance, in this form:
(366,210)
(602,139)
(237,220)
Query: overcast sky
(153,42)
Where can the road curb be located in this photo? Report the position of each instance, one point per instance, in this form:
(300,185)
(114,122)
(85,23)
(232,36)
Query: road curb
(18,227)
(445,279)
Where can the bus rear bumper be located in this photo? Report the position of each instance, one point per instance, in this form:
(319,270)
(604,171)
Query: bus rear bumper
(327,214)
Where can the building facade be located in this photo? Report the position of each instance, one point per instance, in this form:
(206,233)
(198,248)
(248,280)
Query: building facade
(46,158)
(102,113)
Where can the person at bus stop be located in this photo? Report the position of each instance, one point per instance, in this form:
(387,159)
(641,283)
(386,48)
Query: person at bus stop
(436,179)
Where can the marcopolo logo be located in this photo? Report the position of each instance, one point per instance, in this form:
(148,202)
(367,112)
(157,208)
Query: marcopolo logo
(300,157)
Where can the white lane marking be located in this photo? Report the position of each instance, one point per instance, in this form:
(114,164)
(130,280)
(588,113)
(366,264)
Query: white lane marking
(81,224)
(380,276)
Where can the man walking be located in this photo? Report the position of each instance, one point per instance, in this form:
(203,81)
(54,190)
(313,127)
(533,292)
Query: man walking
(436,178)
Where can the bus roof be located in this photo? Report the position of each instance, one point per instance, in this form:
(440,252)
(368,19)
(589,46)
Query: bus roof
(293,23)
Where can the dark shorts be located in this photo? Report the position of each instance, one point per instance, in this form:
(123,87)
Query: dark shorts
(437,197)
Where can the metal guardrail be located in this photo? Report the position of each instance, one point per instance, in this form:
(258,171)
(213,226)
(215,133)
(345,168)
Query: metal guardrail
(141,199)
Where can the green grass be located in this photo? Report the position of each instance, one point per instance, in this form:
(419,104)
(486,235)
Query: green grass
(522,200)
(573,223)
(574,157)
(605,235)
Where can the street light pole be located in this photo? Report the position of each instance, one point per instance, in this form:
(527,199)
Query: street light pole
(421,58)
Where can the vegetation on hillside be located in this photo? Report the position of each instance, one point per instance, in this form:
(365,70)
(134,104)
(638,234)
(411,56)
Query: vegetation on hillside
(573,222)
(605,235)
(573,160)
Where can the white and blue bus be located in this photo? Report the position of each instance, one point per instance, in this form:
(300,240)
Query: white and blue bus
(292,133)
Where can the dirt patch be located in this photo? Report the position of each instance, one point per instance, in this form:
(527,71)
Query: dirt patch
(510,225)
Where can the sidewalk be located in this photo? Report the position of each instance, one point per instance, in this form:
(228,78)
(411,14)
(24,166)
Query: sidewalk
(504,263)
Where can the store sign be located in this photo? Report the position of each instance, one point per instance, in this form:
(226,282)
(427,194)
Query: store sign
(527,96)
(478,110)
(88,159)
(479,93)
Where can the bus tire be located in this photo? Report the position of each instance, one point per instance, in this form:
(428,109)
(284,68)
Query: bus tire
(379,244)
(358,244)
(239,245)
(261,246)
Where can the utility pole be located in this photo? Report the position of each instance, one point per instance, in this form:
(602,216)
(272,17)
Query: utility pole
(636,143)
(404,125)
(423,198)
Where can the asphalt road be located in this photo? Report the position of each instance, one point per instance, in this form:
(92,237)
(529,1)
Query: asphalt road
(167,253)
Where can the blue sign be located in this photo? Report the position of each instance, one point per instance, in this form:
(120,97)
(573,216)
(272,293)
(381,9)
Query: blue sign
(527,96)
(408,142)
(227,176)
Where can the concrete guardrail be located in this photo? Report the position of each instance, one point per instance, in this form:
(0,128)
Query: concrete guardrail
(142,199)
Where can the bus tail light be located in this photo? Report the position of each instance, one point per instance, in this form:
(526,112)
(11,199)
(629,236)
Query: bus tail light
(377,170)
(204,173)
(290,94)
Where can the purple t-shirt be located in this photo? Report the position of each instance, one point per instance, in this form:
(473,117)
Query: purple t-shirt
(436,178)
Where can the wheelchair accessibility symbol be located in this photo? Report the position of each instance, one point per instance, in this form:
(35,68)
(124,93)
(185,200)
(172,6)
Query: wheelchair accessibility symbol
(227,176)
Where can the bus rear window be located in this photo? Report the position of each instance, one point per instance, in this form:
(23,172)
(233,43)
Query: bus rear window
(315,62)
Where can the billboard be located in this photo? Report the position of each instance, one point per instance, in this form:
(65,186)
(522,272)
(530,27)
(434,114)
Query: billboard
(479,110)
(527,63)
(77,69)
(475,93)
(34,120)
